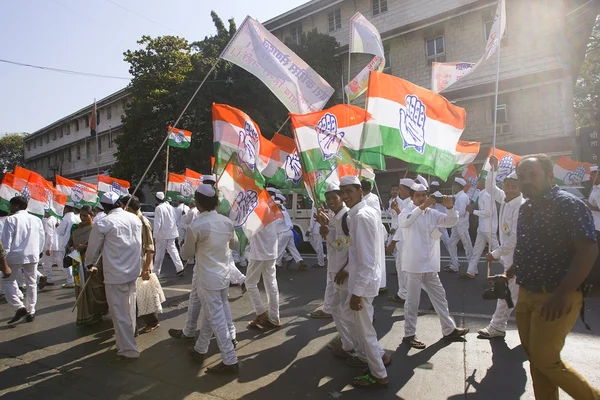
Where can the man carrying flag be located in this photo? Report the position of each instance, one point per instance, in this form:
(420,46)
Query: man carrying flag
(165,233)
(460,232)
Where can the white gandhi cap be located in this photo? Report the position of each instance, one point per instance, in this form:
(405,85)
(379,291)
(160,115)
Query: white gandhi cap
(109,198)
(332,187)
(460,181)
(349,180)
(206,190)
(407,182)
(160,195)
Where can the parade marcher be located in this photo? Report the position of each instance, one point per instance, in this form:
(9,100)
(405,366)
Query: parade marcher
(364,277)
(23,241)
(394,197)
(262,259)
(51,255)
(510,199)
(99,213)
(285,237)
(373,201)
(421,262)
(151,300)
(316,241)
(210,238)
(593,201)
(181,211)
(486,205)
(118,238)
(460,232)
(188,218)
(405,195)
(165,232)
(556,250)
(445,239)
(63,231)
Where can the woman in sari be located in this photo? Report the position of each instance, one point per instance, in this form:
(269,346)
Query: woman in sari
(92,305)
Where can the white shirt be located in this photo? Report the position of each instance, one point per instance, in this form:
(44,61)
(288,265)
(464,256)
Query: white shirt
(99,216)
(402,205)
(337,242)
(165,222)
(264,243)
(286,218)
(51,238)
(485,203)
(421,237)
(63,231)
(509,217)
(365,238)
(23,238)
(210,238)
(595,201)
(2,221)
(284,224)
(118,236)
(392,213)
(190,216)
(460,204)
(181,211)
(313,225)
(372,200)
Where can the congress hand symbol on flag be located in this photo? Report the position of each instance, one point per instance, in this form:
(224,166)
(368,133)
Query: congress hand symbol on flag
(243,206)
(248,145)
(412,123)
(329,138)
(293,167)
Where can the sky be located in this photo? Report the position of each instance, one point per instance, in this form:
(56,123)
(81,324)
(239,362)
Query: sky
(90,36)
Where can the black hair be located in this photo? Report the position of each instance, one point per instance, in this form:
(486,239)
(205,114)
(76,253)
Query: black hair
(20,202)
(134,202)
(411,192)
(109,207)
(543,159)
(88,209)
(205,202)
(3,213)
(366,185)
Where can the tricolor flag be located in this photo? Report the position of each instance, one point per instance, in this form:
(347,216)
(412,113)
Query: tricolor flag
(571,172)
(37,196)
(412,124)
(284,169)
(179,138)
(236,133)
(466,152)
(180,186)
(249,206)
(469,174)
(190,173)
(507,163)
(93,121)
(110,184)
(55,201)
(79,193)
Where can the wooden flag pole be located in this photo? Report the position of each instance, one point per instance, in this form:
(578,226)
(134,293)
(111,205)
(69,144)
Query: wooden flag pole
(167,171)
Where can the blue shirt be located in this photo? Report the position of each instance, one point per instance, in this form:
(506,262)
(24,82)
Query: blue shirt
(546,235)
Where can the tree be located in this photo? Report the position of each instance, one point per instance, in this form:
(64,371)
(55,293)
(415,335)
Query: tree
(167,71)
(12,146)
(587,90)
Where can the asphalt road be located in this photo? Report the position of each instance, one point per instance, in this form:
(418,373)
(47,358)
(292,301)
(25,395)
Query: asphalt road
(53,359)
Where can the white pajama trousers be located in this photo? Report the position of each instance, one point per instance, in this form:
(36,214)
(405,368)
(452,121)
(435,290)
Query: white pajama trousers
(342,317)
(11,288)
(430,282)
(47,263)
(445,239)
(285,241)
(194,308)
(364,336)
(59,256)
(480,242)
(317,243)
(121,303)
(381,257)
(502,313)
(329,289)
(462,235)
(162,246)
(235,275)
(266,269)
(401,274)
(215,321)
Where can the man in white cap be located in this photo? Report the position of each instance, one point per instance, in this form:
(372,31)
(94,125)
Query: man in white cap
(118,238)
(373,201)
(486,229)
(422,265)
(405,193)
(210,238)
(23,240)
(208,180)
(285,236)
(510,199)
(165,232)
(394,198)
(51,247)
(63,232)
(593,201)
(364,277)
(181,210)
(460,232)
(99,213)
(316,241)
(445,239)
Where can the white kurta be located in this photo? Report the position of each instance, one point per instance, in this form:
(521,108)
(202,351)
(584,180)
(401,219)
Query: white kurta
(372,200)
(99,216)
(461,231)
(483,229)
(63,231)
(594,200)
(315,238)
(285,238)
(398,238)
(50,245)
(165,231)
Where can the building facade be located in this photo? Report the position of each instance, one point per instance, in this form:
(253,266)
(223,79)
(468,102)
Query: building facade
(66,147)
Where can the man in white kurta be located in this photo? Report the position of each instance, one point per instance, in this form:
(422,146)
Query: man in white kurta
(262,258)
(316,241)
(422,263)
(445,239)
(51,247)
(593,201)
(373,201)
(23,240)
(395,198)
(165,232)
(488,223)
(118,238)
(209,238)
(510,200)
(181,211)
(460,232)
(63,231)
(364,277)
(285,236)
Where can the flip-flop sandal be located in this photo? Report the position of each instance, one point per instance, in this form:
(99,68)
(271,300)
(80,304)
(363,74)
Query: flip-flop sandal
(148,329)
(367,381)
(415,344)
(356,362)
(396,299)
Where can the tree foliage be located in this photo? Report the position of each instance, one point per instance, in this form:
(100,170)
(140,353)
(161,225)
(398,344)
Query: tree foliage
(12,146)
(167,71)
(587,89)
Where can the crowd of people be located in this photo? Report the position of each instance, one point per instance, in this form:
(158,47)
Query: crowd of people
(547,245)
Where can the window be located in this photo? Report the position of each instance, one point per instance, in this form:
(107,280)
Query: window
(29,145)
(87,121)
(47,136)
(76,125)
(67,129)
(488,21)
(88,148)
(502,114)
(61,156)
(99,144)
(34,143)
(388,62)
(435,50)
(335,20)
(110,139)
(379,7)
(108,113)
(97,118)
(53,135)
(296,34)
(78,151)
(68,151)
(61,131)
